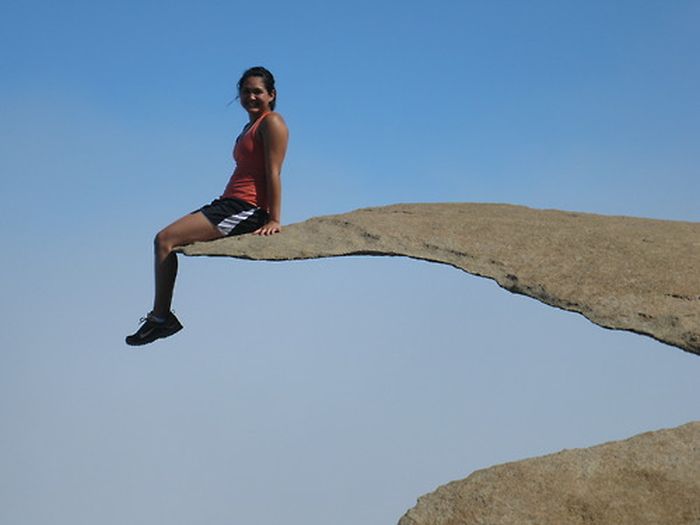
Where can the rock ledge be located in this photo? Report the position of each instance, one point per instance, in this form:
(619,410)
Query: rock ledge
(622,273)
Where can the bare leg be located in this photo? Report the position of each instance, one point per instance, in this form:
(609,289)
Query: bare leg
(188,229)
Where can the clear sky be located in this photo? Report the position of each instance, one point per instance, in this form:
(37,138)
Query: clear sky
(334,391)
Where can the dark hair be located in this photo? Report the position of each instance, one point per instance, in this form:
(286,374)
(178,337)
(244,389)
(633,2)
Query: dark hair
(267,78)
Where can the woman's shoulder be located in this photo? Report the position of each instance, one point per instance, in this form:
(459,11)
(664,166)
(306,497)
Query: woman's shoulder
(274,122)
(273,118)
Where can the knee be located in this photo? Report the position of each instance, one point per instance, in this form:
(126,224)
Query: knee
(163,241)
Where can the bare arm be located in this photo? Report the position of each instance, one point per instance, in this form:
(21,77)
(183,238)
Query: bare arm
(275,137)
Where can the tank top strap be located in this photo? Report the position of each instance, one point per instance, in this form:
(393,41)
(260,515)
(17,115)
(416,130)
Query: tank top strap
(254,128)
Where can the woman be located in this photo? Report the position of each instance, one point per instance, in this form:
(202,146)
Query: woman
(251,201)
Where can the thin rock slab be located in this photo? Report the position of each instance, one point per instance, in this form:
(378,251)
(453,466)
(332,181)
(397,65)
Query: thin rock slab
(650,479)
(622,273)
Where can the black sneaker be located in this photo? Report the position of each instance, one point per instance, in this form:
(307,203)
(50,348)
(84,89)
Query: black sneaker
(151,330)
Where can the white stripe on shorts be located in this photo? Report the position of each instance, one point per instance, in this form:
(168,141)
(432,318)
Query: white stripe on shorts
(229,223)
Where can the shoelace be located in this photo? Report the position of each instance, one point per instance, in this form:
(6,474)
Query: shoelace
(147,316)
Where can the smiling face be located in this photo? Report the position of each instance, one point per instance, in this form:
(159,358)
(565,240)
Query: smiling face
(254,96)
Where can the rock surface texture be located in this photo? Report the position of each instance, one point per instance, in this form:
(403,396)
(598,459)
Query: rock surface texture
(653,479)
(623,273)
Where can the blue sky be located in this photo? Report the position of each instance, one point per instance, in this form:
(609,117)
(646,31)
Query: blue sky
(332,391)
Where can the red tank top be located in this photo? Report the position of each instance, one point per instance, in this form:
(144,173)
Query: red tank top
(249,182)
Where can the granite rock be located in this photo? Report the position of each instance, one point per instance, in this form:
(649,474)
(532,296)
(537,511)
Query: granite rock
(650,479)
(621,273)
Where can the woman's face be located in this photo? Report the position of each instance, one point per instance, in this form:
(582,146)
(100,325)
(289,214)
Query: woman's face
(254,96)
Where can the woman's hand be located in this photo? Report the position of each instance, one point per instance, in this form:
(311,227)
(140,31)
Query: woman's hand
(270,228)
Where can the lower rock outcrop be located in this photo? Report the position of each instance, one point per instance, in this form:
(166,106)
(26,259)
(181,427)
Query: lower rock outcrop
(650,479)
(624,273)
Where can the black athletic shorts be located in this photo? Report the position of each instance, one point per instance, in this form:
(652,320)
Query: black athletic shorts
(234,216)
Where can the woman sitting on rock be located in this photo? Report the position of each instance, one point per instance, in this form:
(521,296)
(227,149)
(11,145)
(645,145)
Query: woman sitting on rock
(251,201)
